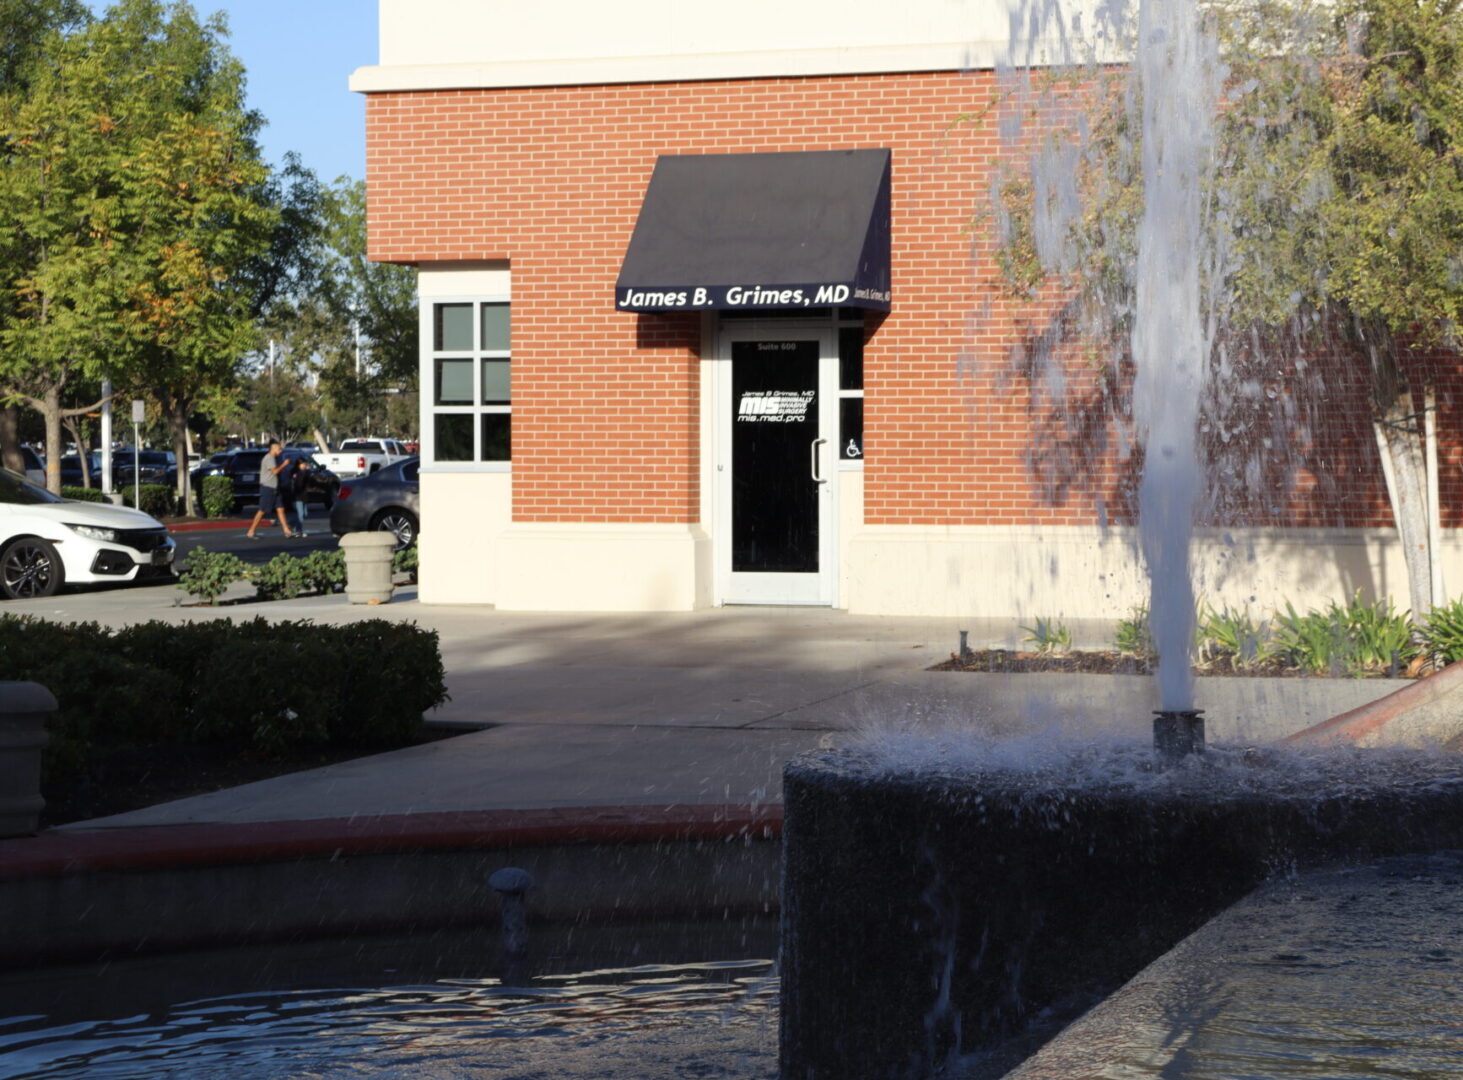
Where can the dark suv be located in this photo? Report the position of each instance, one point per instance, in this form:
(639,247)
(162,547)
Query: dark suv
(243,469)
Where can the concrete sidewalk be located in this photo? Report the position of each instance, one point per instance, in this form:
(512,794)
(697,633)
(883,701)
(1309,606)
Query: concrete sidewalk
(690,708)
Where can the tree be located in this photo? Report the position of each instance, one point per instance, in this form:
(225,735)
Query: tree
(30,27)
(1334,212)
(135,193)
(356,320)
(201,214)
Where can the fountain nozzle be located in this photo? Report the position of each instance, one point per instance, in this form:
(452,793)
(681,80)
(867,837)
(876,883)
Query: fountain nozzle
(1178,732)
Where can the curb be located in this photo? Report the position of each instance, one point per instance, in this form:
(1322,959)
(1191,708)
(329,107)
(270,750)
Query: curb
(1356,724)
(207,526)
(75,850)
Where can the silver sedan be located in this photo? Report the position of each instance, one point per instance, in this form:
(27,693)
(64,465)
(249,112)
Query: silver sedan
(386,500)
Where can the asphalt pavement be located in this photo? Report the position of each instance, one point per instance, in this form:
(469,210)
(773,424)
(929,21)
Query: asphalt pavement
(270,541)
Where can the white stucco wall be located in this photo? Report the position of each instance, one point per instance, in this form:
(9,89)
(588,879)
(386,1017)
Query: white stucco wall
(1089,573)
(441,44)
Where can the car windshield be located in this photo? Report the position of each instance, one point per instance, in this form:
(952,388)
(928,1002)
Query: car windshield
(156,457)
(18,490)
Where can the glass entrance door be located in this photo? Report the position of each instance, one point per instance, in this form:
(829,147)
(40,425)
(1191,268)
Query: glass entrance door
(776,468)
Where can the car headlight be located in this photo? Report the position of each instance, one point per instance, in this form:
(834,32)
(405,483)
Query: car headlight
(94,532)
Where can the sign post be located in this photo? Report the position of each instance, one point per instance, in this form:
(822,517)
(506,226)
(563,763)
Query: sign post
(139,414)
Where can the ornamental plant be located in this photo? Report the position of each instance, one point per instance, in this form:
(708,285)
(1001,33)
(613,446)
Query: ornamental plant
(218,496)
(210,573)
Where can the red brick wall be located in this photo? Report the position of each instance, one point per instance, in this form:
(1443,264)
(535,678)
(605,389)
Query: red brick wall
(606,403)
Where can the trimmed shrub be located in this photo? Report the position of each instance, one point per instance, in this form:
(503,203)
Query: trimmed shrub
(271,687)
(82,494)
(283,577)
(218,496)
(159,500)
(405,561)
(209,573)
(324,571)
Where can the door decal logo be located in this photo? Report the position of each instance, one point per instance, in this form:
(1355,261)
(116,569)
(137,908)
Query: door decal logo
(774,406)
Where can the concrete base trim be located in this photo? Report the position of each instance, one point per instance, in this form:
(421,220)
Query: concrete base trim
(604,567)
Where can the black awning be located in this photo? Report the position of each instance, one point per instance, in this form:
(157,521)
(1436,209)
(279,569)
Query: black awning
(749,231)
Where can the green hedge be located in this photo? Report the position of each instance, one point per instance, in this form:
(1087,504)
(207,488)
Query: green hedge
(218,496)
(82,494)
(159,500)
(269,687)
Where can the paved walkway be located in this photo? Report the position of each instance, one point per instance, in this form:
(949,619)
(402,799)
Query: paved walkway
(697,708)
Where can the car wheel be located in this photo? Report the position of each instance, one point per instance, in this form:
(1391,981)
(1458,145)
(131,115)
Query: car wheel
(30,568)
(401,522)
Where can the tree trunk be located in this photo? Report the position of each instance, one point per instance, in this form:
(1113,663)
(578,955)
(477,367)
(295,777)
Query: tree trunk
(1401,429)
(10,439)
(178,424)
(81,449)
(50,411)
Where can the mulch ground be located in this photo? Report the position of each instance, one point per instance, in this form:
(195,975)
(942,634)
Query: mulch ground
(132,778)
(1112,663)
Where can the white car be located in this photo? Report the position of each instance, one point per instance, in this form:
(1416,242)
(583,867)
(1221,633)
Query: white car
(47,541)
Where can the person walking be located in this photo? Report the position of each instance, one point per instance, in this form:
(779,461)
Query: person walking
(273,464)
(299,491)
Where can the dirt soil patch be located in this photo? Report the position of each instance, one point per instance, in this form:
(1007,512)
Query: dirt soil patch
(133,778)
(1113,663)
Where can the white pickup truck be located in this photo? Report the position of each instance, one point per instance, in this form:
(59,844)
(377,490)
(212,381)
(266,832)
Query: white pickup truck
(361,457)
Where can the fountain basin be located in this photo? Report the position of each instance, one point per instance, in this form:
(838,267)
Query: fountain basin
(1344,972)
(934,910)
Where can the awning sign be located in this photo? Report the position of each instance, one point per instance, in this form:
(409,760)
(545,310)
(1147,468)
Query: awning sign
(745,232)
(747,297)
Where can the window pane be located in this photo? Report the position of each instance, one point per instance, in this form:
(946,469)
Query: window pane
(454,436)
(495,382)
(495,327)
(497,436)
(851,428)
(851,358)
(454,327)
(454,382)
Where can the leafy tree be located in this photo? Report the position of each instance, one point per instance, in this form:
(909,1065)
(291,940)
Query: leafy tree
(354,319)
(29,27)
(133,196)
(1334,213)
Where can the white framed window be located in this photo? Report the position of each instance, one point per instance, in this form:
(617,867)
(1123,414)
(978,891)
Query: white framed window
(467,392)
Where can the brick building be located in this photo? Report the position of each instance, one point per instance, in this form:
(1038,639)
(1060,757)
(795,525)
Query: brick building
(710,315)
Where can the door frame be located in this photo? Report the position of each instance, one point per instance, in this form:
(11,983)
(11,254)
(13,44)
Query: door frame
(814,590)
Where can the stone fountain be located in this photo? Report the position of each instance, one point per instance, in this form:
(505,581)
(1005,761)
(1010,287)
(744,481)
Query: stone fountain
(939,905)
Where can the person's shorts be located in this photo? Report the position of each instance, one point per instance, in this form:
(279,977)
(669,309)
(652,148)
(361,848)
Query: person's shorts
(269,499)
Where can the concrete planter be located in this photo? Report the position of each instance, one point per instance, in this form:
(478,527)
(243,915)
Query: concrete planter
(24,708)
(368,566)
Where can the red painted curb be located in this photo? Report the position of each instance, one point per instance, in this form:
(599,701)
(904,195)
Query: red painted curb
(206,526)
(71,851)
(1357,723)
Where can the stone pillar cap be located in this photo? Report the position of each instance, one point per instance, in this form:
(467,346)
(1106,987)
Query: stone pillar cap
(26,697)
(368,539)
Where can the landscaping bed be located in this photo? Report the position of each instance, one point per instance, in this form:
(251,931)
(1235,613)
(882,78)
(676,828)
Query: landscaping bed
(155,711)
(1080,662)
(1356,640)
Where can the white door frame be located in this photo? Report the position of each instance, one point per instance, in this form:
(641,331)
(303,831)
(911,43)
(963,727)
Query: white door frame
(811,589)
